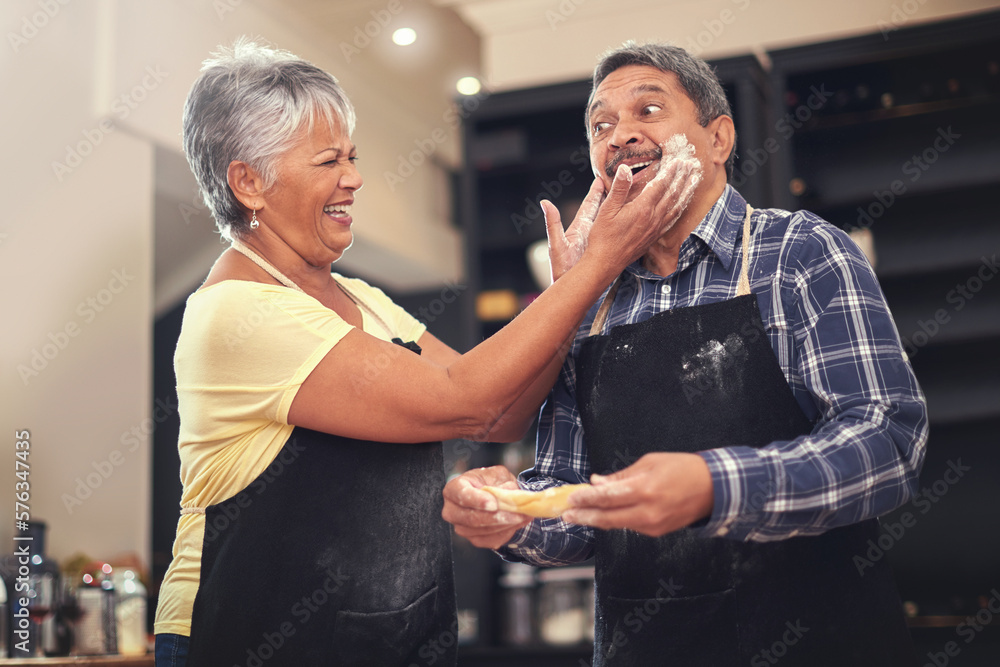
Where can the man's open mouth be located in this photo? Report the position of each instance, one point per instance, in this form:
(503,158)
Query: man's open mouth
(636,168)
(646,160)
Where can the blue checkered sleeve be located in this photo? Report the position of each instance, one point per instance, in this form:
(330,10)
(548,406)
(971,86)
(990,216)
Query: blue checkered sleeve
(866,449)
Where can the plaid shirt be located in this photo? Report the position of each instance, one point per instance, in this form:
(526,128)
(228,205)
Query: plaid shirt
(836,343)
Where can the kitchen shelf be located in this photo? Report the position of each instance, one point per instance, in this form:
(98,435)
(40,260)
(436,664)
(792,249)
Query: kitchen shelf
(928,233)
(947,305)
(934,235)
(921,154)
(961,381)
(873,116)
(83,661)
(534,656)
(945,621)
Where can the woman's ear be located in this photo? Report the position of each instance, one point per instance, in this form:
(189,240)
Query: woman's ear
(246,184)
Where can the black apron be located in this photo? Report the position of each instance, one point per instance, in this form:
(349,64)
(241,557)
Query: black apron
(335,555)
(698,378)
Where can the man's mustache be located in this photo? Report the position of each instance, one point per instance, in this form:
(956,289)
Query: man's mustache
(612,165)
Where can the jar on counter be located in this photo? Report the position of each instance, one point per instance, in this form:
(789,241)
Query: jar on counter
(4,619)
(562,614)
(130,612)
(97,629)
(518,592)
(589,603)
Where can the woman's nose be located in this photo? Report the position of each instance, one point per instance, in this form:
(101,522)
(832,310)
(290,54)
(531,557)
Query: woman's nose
(352,180)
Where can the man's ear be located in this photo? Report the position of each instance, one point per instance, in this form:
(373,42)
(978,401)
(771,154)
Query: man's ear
(246,184)
(723,136)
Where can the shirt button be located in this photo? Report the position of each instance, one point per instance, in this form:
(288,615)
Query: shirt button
(723,531)
(511,546)
(665,289)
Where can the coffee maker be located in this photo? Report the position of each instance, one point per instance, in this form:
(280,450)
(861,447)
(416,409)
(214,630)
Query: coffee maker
(36,628)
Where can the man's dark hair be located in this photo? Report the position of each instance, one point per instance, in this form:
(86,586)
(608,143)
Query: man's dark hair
(694,74)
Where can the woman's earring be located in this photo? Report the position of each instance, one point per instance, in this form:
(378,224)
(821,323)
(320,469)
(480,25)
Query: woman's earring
(253,223)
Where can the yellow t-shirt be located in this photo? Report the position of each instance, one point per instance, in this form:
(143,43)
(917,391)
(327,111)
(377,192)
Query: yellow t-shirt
(244,350)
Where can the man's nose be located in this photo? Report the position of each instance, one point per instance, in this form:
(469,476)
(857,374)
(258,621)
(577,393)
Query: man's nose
(625,135)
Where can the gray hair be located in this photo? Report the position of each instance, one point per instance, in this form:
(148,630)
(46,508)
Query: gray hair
(249,104)
(694,74)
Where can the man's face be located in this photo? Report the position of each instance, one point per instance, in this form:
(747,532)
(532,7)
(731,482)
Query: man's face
(635,110)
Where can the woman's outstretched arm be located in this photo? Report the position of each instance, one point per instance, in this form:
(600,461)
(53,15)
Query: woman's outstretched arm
(413,399)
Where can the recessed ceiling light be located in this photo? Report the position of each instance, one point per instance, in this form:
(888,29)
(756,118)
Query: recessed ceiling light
(468,85)
(404,36)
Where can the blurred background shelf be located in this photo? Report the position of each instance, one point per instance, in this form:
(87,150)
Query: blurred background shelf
(906,146)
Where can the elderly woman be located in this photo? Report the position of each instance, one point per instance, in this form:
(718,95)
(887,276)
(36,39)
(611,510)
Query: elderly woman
(310,530)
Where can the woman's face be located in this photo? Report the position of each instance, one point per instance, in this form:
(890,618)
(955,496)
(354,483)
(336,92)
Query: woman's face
(309,207)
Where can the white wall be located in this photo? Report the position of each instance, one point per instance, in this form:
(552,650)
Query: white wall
(532,43)
(75,269)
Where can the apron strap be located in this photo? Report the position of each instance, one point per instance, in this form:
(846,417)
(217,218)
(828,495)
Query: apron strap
(364,306)
(272,270)
(245,250)
(602,312)
(742,285)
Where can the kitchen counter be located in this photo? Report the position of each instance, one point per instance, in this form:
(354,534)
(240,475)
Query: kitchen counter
(84,661)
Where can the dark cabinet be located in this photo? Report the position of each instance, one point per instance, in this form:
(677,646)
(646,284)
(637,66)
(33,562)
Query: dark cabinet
(901,139)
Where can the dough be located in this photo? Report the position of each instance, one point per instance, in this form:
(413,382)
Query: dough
(546,504)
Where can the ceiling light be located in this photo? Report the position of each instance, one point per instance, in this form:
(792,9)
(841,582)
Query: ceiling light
(404,36)
(468,85)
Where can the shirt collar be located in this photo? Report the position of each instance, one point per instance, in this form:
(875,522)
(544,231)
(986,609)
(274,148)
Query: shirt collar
(718,231)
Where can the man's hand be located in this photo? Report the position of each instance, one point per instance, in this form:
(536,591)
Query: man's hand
(473,511)
(566,247)
(656,495)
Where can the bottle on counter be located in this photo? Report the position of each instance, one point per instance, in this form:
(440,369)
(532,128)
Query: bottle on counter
(589,604)
(130,609)
(97,629)
(4,620)
(518,593)
(51,638)
(562,616)
(8,574)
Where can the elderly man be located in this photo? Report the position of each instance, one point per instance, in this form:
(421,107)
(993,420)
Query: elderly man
(742,399)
